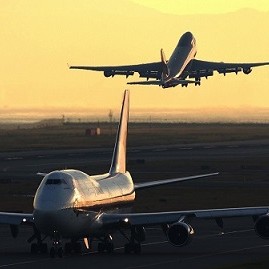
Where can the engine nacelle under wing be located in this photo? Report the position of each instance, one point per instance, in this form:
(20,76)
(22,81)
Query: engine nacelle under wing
(179,234)
(262,226)
(247,70)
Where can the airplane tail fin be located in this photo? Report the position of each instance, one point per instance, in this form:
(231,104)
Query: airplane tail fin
(118,163)
(165,72)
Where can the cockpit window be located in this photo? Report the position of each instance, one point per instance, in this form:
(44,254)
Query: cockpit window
(53,181)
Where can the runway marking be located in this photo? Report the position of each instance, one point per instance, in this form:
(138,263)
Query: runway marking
(21,263)
(197,257)
(14,158)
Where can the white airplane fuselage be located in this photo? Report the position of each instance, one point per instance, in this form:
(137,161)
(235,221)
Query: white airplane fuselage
(62,195)
(184,52)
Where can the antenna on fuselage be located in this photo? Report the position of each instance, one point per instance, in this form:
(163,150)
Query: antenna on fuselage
(118,163)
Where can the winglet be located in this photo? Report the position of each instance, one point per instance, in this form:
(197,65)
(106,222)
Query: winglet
(118,164)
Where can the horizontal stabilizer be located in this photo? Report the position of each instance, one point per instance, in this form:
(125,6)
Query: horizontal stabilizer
(156,183)
(160,83)
(149,82)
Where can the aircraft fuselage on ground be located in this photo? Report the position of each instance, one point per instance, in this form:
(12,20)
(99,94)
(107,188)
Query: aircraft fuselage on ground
(72,205)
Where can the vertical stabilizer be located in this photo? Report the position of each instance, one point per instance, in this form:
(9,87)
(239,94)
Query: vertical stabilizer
(118,164)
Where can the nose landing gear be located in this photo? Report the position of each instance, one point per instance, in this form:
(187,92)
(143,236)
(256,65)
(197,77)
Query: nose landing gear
(56,248)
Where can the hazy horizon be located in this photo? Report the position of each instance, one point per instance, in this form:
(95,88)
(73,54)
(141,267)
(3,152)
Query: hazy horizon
(204,115)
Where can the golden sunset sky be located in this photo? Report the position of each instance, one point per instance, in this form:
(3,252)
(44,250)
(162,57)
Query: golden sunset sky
(39,38)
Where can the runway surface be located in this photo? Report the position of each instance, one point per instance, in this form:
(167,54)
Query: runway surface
(208,249)
(25,164)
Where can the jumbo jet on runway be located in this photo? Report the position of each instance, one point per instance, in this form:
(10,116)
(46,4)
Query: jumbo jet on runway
(181,68)
(70,204)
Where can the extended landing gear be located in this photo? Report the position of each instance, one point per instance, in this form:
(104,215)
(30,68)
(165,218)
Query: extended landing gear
(56,248)
(39,248)
(137,236)
(72,247)
(132,248)
(106,245)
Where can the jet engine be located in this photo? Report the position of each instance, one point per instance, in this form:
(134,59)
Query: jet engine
(247,70)
(179,234)
(262,226)
(108,73)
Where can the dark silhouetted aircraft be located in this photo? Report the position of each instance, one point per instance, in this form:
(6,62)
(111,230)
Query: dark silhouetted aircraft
(181,69)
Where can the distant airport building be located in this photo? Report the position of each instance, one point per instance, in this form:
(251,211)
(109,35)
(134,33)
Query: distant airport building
(92,131)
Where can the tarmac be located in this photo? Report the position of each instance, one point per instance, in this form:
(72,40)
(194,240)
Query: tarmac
(211,247)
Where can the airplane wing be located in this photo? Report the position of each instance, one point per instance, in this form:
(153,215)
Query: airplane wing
(159,218)
(15,218)
(200,68)
(144,185)
(148,70)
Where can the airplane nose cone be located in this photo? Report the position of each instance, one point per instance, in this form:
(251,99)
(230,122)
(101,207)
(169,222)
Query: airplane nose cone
(51,213)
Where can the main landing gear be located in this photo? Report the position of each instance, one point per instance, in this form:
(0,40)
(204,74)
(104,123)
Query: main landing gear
(106,245)
(72,247)
(134,244)
(39,246)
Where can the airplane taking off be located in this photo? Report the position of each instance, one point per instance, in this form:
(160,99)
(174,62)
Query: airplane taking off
(180,69)
(72,205)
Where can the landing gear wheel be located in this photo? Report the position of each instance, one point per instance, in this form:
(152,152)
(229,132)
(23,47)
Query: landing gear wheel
(68,248)
(127,248)
(137,248)
(132,247)
(34,248)
(60,252)
(77,248)
(110,247)
(44,248)
(52,252)
(101,248)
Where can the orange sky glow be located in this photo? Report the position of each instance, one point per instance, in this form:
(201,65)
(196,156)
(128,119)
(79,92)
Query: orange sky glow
(39,38)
